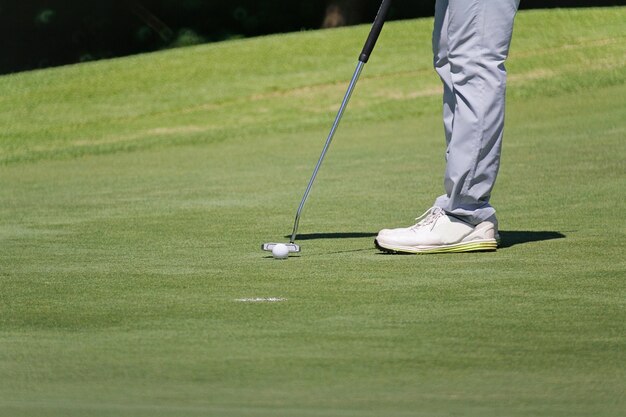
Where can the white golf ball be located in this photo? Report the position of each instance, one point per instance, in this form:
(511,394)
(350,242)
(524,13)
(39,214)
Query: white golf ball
(280,251)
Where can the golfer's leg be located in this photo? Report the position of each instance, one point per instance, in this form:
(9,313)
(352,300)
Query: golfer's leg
(479,35)
(442,65)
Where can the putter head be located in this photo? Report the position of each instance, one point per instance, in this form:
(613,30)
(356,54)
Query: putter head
(293,248)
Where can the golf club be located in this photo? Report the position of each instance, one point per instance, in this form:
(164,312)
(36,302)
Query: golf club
(377,26)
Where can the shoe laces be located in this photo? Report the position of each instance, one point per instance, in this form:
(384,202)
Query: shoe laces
(429,218)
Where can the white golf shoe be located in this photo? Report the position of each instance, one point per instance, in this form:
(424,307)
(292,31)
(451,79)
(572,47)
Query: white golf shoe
(437,232)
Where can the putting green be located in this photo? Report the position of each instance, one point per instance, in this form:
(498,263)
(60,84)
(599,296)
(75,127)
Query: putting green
(135,193)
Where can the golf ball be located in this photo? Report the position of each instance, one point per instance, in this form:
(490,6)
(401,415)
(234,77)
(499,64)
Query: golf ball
(280,251)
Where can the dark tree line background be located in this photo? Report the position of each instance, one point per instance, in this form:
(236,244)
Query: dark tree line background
(43,33)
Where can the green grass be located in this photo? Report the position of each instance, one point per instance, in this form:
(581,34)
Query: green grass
(134,195)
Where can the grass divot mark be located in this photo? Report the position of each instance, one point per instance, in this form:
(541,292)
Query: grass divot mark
(260,300)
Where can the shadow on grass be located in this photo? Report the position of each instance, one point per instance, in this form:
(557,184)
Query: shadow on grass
(348,235)
(517,237)
(509,237)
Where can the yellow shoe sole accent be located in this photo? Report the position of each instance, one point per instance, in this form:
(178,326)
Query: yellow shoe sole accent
(475,246)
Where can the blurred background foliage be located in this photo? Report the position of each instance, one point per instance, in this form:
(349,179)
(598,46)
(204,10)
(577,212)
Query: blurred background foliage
(43,33)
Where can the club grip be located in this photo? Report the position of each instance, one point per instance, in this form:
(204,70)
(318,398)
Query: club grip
(379,21)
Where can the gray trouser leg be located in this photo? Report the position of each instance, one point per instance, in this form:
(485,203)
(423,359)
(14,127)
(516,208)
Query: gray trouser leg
(471,41)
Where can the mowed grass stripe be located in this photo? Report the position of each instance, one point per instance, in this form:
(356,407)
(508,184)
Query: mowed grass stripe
(281,83)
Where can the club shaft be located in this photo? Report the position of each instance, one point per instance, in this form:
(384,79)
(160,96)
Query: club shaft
(344,104)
